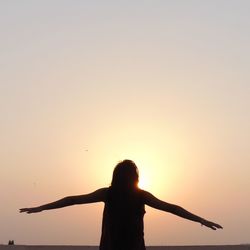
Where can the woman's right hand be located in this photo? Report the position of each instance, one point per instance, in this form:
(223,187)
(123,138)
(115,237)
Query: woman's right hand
(211,224)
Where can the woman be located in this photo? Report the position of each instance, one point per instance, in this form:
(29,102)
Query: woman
(122,225)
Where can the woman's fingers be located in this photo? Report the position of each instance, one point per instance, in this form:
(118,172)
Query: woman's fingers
(212,225)
(23,210)
(30,210)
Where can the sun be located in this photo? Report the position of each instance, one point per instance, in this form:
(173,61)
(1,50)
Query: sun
(151,179)
(144,182)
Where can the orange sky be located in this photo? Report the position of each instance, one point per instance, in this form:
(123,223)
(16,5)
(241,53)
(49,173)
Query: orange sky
(85,85)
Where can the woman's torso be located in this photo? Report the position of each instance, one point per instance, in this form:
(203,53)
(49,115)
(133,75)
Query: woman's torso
(122,225)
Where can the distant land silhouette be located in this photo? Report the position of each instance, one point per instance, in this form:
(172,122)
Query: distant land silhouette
(57,247)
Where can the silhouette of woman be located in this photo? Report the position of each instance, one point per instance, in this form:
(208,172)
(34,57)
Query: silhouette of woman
(122,225)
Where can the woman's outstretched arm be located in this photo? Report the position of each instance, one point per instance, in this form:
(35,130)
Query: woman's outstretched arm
(152,201)
(97,196)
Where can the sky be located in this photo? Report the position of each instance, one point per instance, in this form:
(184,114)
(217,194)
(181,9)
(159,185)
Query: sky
(85,84)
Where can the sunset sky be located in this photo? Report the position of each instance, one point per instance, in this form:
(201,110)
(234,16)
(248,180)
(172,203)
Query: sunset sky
(85,84)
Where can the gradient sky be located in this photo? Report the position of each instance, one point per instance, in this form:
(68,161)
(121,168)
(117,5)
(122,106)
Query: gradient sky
(84,84)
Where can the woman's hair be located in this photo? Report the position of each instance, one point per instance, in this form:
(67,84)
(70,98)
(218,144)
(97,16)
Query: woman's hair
(125,176)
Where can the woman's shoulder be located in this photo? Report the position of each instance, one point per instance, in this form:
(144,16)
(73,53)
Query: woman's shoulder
(101,193)
(142,191)
(144,195)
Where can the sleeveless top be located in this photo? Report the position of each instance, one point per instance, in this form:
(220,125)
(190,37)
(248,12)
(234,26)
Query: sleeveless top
(122,224)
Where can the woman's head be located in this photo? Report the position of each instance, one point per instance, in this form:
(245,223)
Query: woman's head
(125,175)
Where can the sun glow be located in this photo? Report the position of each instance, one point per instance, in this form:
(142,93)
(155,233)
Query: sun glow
(144,181)
(148,178)
(155,166)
